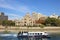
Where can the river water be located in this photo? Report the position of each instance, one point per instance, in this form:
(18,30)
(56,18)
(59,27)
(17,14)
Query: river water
(53,37)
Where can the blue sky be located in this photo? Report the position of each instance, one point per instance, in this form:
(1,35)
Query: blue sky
(18,8)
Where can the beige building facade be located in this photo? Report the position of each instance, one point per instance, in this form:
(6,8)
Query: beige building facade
(3,16)
(29,19)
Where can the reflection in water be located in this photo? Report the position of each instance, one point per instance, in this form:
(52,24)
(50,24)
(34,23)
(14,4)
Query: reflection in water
(53,37)
(32,38)
(45,39)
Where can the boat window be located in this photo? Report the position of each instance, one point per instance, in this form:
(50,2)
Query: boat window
(38,33)
(31,33)
(35,33)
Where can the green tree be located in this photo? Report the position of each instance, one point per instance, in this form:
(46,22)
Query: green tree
(41,26)
(11,23)
(0,22)
(7,23)
(57,22)
(50,21)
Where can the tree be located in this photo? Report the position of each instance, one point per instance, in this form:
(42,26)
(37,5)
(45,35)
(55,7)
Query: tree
(41,26)
(57,22)
(0,22)
(11,23)
(50,21)
(7,23)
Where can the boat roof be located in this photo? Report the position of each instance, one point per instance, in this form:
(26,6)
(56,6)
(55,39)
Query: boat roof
(36,32)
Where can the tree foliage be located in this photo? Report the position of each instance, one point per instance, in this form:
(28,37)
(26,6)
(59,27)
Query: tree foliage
(7,23)
(41,26)
(52,21)
(58,22)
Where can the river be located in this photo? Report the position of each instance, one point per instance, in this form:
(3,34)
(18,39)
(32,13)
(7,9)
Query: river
(53,37)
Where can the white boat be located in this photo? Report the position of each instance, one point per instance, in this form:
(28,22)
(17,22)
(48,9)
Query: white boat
(37,33)
(33,34)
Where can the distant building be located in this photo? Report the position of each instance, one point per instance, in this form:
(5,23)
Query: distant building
(17,22)
(58,17)
(3,17)
(54,16)
(25,21)
(29,19)
(37,16)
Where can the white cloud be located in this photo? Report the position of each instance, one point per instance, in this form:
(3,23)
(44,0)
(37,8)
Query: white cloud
(4,4)
(13,16)
(21,8)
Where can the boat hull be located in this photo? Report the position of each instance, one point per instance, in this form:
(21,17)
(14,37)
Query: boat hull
(40,36)
(33,34)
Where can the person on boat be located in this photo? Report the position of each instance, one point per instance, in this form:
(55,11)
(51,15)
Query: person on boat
(18,35)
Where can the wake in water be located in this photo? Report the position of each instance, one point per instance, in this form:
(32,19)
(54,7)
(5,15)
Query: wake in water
(14,35)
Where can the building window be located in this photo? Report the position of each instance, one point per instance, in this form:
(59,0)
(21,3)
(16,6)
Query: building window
(31,22)
(24,19)
(25,22)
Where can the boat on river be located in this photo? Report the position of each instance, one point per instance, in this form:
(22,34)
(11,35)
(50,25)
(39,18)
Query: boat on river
(33,34)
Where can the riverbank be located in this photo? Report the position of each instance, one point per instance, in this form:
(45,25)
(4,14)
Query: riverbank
(17,29)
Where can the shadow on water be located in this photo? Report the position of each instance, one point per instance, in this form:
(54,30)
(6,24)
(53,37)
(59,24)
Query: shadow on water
(32,38)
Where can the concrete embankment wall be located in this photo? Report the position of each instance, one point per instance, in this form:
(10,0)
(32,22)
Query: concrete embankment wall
(17,29)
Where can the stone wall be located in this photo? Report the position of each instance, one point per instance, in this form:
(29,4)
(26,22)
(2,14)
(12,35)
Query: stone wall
(17,29)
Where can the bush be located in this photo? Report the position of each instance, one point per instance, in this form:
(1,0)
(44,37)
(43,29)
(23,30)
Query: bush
(6,32)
